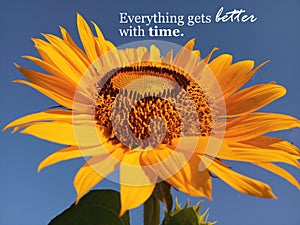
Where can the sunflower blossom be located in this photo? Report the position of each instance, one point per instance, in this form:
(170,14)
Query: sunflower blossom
(154,117)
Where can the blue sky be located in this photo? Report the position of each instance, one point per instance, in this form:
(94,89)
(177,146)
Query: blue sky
(32,198)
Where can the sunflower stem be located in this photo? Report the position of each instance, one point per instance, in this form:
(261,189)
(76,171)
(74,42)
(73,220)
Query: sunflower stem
(152,211)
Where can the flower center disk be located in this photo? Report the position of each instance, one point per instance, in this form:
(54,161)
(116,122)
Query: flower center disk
(144,105)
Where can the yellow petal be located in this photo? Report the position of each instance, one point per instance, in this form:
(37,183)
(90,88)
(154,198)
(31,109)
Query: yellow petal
(240,79)
(109,45)
(96,168)
(220,65)
(271,143)
(57,132)
(58,60)
(203,145)
(197,52)
(67,52)
(123,57)
(154,53)
(256,124)
(99,33)
(111,59)
(140,175)
(240,182)
(280,172)
(130,53)
(134,196)
(163,161)
(51,83)
(85,179)
(39,45)
(70,152)
(62,93)
(253,98)
(68,103)
(65,133)
(191,180)
(51,69)
(141,51)
(185,58)
(190,44)
(168,58)
(49,115)
(68,39)
(103,46)
(181,170)
(87,38)
(141,181)
(235,75)
(254,154)
(207,58)
(230,77)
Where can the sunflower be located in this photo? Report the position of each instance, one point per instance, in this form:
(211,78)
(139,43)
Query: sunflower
(175,119)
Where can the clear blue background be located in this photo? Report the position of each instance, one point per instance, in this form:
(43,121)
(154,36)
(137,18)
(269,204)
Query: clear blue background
(31,198)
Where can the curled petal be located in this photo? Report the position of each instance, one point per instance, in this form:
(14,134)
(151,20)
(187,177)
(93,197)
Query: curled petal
(256,124)
(240,182)
(253,98)
(270,143)
(280,172)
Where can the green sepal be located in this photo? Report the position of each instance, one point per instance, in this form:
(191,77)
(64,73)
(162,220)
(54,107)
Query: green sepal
(152,211)
(163,192)
(189,215)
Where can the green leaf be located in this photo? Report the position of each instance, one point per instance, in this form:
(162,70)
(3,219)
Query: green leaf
(98,207)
